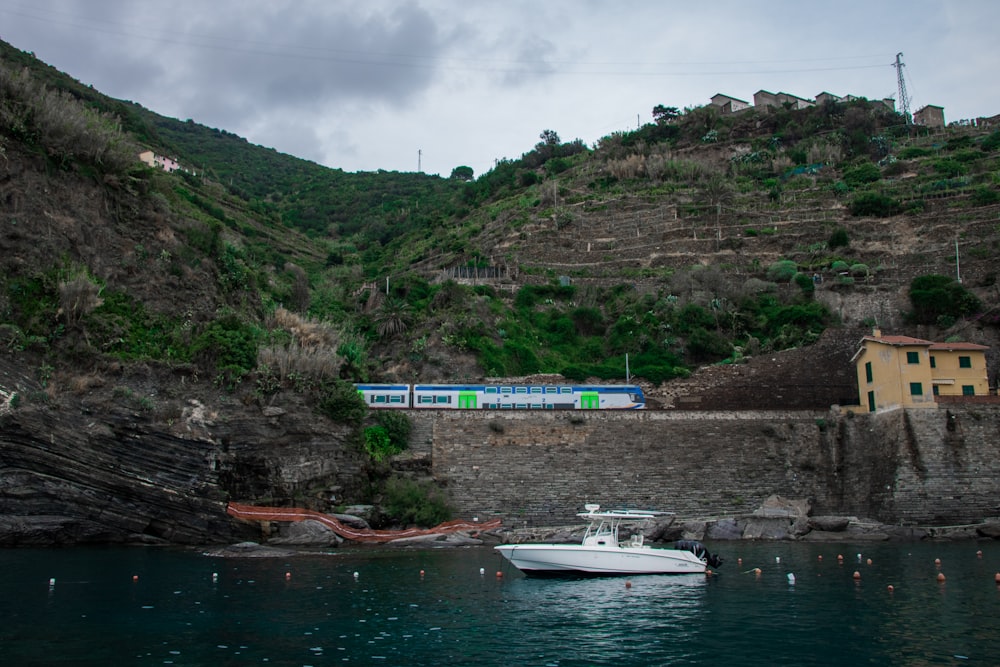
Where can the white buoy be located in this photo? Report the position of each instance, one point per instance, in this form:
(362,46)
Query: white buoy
(791,579)
(482,571)
(215,576)
(52,581)
(777,559)
(356,575)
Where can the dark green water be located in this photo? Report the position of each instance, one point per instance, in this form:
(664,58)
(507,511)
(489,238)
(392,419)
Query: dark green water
(176,613)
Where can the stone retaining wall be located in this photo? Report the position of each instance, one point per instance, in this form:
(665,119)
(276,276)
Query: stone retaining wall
(539,468)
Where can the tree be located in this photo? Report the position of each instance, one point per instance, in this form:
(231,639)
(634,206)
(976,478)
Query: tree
(549,138)
(462,173)
(665,115)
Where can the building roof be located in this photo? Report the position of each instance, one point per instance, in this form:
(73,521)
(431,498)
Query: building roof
(898,340)
(728,97)
(958,347)
(909,341)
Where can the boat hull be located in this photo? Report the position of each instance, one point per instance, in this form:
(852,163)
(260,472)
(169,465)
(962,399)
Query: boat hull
(548,559)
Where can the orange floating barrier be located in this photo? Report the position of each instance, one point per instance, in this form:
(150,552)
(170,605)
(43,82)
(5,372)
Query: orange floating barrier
(253,513)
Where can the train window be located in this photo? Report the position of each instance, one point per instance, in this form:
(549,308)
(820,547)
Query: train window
(397,399)
(491,390)
(505,390)
(565,390)
(521,390)
(380,398)
(426,399)
(442,399)
(551,390)
(536,406)
(536,390)
(521,406)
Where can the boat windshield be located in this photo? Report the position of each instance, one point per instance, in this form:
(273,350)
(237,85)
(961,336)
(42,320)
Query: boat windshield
(603,527)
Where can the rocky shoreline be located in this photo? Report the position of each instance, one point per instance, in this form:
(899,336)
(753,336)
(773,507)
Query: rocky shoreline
(777,519)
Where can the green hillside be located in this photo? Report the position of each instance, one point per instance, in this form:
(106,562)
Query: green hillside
(696,239)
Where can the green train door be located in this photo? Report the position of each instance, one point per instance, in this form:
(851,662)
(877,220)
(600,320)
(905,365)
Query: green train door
(590,400)
(467,399)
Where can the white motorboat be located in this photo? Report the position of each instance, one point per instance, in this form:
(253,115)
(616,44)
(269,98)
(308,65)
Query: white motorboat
(602,553)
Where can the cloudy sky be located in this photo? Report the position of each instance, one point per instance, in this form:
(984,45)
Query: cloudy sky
(433,84)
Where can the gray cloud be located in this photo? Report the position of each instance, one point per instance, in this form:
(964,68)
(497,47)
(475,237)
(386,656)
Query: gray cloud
(366,85)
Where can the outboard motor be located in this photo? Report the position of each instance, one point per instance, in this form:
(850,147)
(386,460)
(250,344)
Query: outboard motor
(699,550)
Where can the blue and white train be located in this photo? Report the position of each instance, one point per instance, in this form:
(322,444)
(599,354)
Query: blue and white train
(503,396)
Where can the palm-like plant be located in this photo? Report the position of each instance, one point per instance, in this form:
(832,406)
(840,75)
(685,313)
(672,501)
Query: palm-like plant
(392,317)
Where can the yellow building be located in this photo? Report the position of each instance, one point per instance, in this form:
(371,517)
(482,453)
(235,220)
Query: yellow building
(905,372)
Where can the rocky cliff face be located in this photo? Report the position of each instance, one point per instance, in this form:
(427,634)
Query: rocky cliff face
(128,463)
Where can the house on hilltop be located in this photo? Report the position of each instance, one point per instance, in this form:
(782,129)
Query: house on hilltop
(904,372)
(727,104)
(763,99)
(826,97)
(929,116)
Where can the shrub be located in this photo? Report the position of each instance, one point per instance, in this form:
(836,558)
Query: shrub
(992,142)
(805,283)
(409,502)
(782,270)
(950,168)
(588,321)
(862,174)
(378,444)
(228,344)
(935,296)
(704,345)
(341,402)
(896,168)
(913,152)
(984,196)
(397,426)
(875,204)
(838,239)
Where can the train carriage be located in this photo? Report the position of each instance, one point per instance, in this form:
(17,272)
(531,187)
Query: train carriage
(528,397)
(385,395)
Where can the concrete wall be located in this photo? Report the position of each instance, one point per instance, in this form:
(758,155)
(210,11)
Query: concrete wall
(937,466)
